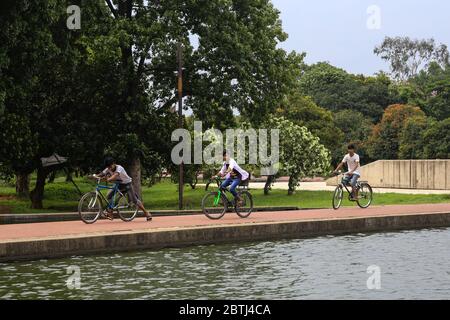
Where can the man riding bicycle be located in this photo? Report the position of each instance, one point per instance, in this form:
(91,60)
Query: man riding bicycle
(114,172)
(353,165)
(233,174)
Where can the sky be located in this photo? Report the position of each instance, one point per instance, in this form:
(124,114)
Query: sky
(345,32)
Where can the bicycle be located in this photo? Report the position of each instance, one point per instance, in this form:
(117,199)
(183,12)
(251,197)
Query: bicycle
(215,204)
(92,204)
(364,193)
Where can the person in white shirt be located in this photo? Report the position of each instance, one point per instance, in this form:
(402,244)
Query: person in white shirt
(351,159)
(114,172)
(233,174)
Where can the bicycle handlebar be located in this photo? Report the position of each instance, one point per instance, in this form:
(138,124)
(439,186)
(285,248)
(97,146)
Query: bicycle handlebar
(96,177)
(335,173)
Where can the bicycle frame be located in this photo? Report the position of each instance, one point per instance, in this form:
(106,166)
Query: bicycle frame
(115,189)
(219,193)
(342,183)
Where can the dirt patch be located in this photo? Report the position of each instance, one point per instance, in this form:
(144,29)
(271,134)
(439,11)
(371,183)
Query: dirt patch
(5,209)
(7,197)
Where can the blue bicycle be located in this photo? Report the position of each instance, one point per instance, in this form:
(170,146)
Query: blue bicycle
(94,204)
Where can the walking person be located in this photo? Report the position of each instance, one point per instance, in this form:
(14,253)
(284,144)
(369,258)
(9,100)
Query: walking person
(114,172)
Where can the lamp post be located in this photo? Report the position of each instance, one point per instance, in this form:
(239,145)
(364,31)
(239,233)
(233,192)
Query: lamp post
(180,120)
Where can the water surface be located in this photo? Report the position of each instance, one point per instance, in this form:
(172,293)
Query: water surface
(413,265)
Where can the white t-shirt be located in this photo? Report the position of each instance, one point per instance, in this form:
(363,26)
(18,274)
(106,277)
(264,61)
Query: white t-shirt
(234,167)
(352,163)
(123,176)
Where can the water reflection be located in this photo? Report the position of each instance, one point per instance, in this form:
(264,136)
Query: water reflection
(414,265)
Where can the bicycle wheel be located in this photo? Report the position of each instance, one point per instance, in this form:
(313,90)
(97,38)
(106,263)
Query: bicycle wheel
(213,206)
(364,196)
(246,207)
(337,197)
(127,210)
(89,207)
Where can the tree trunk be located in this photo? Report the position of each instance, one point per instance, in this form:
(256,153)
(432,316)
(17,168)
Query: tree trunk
(51,177)
(69,175)
(268,185)
(22,185)
(135,174)
(37,194)
(291,186)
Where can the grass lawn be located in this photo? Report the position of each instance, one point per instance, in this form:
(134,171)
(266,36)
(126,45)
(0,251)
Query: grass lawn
(61,196)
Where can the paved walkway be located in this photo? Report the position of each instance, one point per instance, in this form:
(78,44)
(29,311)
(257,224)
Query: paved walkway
(48,230)
(322,186)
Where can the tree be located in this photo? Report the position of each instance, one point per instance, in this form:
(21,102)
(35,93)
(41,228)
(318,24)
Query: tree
(430,90)
(113,80)
(302,111)
(301,153)
(356,129)
(384,141)
(411,138)
(31,100)
(408,56)
(235,64)
(335,89)
(437,138)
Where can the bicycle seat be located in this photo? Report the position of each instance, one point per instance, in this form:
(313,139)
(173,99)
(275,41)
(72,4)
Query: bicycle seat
(244,183)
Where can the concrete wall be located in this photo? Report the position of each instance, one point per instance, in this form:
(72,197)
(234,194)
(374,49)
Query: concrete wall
(54,247)
(406,174)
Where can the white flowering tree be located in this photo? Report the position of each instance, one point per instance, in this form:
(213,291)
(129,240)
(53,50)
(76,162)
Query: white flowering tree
(301,153)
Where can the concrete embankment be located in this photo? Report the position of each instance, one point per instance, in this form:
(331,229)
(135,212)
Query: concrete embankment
(62,239)
(13,218)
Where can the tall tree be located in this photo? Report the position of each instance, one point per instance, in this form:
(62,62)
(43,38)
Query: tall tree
(111,85)
(29,46)
(335,89)
(408,56)
(430,90)
(302,111)
(301,153)
(385,137)
(437,138)
(356,129)
(411,138)
(230,56)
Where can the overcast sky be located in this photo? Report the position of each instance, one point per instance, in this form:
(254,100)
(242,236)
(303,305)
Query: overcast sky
(345,34)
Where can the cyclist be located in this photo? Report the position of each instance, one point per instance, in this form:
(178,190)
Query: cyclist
(114,172)
(233,174)
(351,159)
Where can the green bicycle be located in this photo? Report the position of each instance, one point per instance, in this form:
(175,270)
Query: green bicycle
(215,204)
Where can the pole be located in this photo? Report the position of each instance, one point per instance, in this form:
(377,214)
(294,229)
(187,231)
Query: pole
(180,120)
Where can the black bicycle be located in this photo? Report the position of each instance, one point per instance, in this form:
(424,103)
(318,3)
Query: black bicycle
(215,204)
(363,188)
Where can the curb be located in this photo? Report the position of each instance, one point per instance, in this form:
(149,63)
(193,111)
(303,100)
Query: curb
(156,239)
(16,218)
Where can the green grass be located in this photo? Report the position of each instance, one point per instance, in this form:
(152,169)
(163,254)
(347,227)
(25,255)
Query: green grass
(61,196)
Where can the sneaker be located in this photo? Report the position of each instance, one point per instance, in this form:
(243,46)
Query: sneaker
(109,214)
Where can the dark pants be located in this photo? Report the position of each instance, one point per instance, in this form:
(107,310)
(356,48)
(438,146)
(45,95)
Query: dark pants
(234,183)
(126,189)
